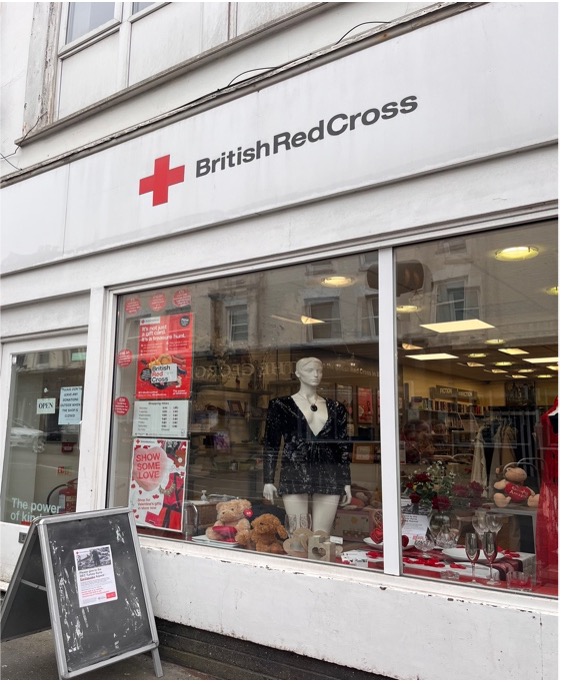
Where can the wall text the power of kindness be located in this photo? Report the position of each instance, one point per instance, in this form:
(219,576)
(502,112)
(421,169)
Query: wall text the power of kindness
(336,125)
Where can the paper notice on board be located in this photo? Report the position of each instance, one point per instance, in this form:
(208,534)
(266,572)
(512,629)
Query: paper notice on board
(95,575)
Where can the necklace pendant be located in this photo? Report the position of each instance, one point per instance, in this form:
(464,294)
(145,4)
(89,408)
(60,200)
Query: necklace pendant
(313,407)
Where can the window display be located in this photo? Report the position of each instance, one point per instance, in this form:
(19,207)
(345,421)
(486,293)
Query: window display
(478,372)
(247,414)
(227,408)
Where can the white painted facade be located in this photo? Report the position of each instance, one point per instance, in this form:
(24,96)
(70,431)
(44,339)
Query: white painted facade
(75,230)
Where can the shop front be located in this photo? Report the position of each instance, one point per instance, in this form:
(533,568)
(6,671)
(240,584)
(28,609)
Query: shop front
(315,350)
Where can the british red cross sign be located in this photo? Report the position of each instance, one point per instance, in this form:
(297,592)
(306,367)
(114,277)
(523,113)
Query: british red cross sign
(159,183)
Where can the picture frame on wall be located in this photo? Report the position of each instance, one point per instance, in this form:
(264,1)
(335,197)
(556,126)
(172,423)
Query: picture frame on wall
(235,407)
(363,452)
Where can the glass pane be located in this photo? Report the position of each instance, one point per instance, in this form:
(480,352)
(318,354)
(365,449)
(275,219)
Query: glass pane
(84,17)
(478,373)
(138,6)
(216,409)
(43,444)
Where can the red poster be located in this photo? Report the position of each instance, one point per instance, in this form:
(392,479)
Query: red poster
(158,472)
(364,405)
(165,362)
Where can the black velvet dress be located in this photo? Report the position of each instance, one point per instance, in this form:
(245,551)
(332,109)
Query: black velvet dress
(310,464)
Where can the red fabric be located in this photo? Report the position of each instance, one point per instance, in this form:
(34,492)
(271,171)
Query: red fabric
(547,513)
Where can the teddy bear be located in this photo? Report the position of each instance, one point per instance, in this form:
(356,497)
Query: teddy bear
(511,488)
(232,517)
(264,534)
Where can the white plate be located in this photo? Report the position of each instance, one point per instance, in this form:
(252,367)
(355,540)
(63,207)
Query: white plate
(370,542)
(460,555)
(212,542)
(379,547)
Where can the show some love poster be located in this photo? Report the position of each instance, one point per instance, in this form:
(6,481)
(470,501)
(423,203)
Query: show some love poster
(157,483)
(165,358)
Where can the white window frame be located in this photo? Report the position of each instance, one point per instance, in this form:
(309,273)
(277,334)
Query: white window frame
(66,49)
(228,310)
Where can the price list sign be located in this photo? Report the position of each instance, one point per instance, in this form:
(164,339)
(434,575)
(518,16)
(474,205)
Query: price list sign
(161,419)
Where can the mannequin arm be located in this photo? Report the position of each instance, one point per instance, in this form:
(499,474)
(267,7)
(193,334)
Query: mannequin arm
(269,492)
(346,498)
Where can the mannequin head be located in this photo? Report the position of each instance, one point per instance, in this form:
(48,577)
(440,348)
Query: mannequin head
(309,371)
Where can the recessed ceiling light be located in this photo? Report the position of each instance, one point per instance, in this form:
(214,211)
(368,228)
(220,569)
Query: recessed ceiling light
(503,363)
(337,281)
(513,351)
(553,368)
(519,253)
(519,377)
(431,357)
(457,326)
(544,359)
(474,364)
(552,290)
(477,355)
(407,308)
(497,340)
(410,347)
(526,370)
(498,370)
(545,376)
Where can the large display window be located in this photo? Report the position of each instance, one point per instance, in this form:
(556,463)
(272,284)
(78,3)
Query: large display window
(246,410)
(478,378)
(249,402)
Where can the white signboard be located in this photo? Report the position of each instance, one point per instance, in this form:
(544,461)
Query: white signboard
(444,95)
(47,405)
(70,406)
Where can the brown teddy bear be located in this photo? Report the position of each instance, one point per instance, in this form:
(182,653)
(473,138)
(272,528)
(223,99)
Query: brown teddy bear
(232,517)
(264,535)
(512,490)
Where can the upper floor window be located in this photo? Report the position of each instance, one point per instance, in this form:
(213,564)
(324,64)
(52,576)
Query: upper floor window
(456,301)
(139,6)
(324,319)
(237,323)
(84,17)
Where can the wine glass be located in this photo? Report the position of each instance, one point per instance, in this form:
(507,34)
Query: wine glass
(479,524)
(472,551)
(494,522)
(490,549)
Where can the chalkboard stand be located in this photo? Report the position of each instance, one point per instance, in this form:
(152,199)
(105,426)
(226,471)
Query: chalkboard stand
(81,574)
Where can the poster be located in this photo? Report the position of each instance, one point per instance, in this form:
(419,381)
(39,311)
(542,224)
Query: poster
(364,405)
(163,418)
(95,575)
(157,483)
(165,358)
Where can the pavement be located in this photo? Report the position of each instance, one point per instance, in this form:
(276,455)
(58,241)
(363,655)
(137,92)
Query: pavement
(33,658)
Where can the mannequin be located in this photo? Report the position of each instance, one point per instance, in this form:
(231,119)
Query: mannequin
(315,457)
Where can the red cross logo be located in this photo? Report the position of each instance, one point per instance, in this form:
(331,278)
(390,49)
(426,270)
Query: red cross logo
(159,183)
